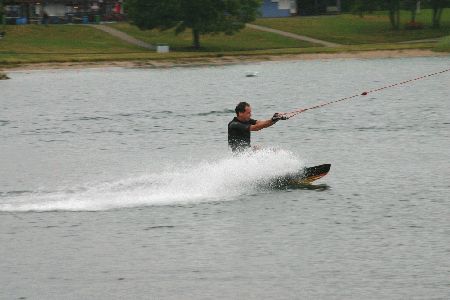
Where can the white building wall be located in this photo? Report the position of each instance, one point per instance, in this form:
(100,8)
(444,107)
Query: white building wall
(293,6)
(287,4)
(55,9)
(284,4)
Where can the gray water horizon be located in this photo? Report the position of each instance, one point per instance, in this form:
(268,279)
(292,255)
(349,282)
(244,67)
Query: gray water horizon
(118,183)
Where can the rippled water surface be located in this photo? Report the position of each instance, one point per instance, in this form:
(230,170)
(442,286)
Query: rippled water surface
(117,183)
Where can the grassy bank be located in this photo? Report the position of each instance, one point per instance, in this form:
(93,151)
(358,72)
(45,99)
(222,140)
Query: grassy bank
(78,43)
(75,43)
(444,44)
(16,60)
(37,43)
(351,29)
(60,39)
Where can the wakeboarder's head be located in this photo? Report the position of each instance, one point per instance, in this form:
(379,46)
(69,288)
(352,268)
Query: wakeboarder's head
(243,111)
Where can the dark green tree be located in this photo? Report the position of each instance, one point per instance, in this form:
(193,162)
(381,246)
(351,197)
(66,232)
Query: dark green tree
(394,13)
(311,7)
(438,7)
(362,6)
(1,12)
(411,5)
(202,16)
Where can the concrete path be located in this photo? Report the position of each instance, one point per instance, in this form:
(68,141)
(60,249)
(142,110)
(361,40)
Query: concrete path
(294,36)
(123,36)
(420,41)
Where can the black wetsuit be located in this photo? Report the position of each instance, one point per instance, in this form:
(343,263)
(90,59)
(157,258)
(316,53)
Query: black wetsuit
(239,134)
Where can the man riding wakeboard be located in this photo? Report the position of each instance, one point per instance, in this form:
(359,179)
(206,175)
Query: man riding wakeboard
(240,127)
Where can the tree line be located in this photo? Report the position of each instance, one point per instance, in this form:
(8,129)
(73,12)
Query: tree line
(394,7)
(229,16)
(202,16)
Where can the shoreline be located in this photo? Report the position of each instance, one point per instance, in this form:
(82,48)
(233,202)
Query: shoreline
(225,60)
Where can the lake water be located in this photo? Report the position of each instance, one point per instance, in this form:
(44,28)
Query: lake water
(118,183)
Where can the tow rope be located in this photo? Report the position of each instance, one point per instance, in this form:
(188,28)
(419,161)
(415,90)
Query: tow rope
(298,111)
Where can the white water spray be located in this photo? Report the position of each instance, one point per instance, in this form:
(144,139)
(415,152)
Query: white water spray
(221,180)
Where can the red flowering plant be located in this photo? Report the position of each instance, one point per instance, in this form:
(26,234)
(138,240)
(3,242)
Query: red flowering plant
(413,25)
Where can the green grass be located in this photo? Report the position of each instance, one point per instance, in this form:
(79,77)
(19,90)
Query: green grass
(60,39)
(246,39)
(78,43)
(62,43)
(443,45)
(351,29)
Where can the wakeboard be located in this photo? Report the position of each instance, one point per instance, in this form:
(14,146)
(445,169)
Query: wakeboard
(309,175)
(304,177)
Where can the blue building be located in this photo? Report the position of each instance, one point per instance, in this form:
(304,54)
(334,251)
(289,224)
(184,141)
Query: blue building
(287,8)
(278,8)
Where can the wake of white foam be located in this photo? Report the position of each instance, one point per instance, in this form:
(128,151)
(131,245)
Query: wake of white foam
(224,179)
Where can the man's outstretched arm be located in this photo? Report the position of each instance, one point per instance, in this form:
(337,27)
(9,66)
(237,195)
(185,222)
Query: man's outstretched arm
(260,124)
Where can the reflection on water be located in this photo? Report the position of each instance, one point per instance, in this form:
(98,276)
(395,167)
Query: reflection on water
(311,187)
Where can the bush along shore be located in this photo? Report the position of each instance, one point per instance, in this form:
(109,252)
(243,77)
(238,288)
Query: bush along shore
(3,76)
